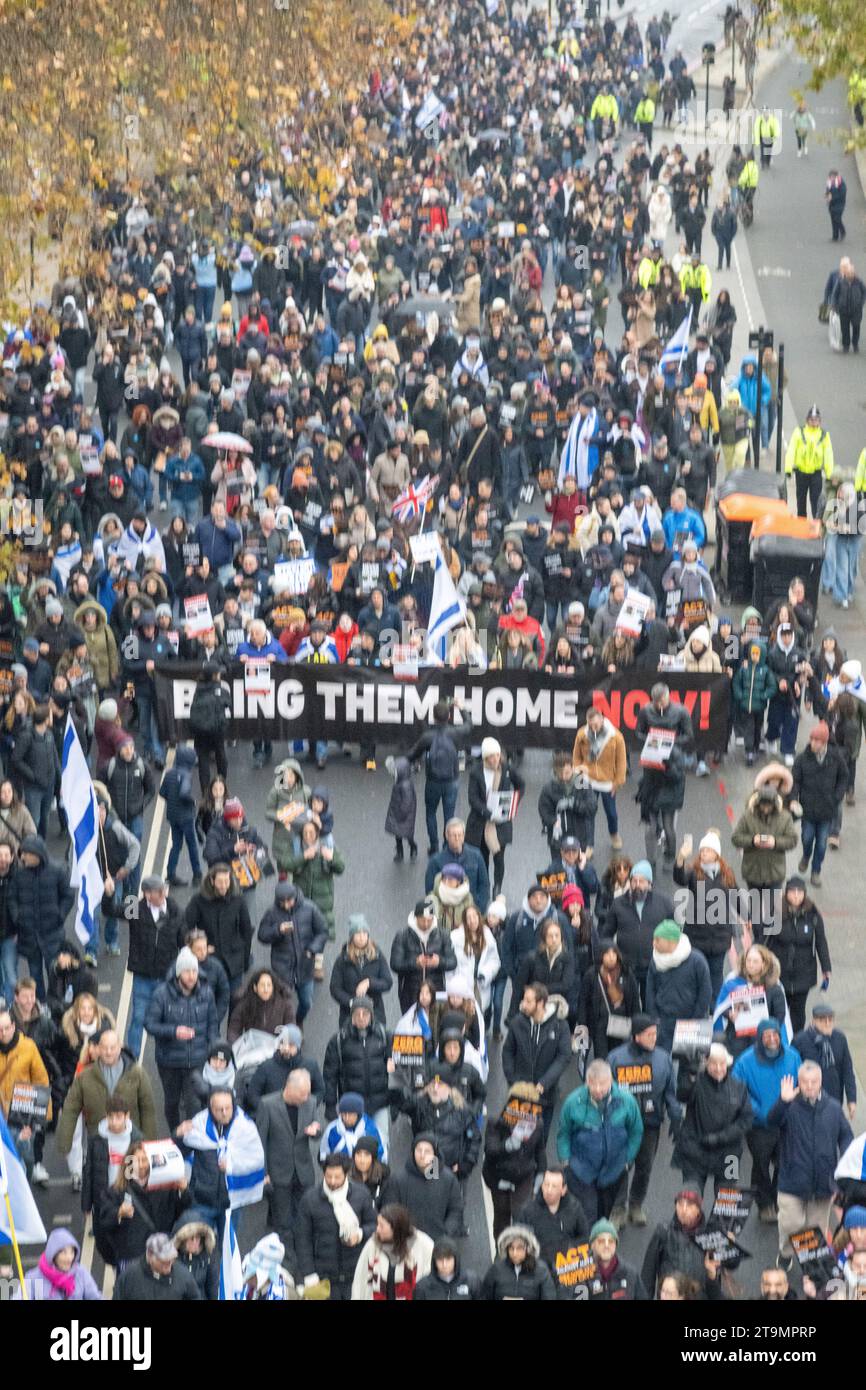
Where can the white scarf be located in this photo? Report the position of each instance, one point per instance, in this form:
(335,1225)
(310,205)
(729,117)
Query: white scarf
(674,958)
(345,1216)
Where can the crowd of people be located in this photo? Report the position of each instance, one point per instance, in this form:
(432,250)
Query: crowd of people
(316,414)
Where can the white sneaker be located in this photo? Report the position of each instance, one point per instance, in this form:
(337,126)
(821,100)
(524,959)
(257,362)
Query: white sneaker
(773,745)
(40,1174)
(739,742)
(76,1182)
(844,603)
(702,770)
(163,506)
(789,759)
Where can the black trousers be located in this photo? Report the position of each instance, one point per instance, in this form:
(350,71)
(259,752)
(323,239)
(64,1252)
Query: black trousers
(643,1166)
(808,485)
(764,1148)
(506,1205)
(837,225)
(850,331)
(178,1087)
(797,1007)
(283,1209)
(596,1201)
(211,746)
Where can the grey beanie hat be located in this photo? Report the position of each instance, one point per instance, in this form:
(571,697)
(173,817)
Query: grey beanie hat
(107,710)
(185,961)
(357,924)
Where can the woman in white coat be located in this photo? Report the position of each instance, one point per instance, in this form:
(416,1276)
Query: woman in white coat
(477,958)
(393,1260)
(660,213)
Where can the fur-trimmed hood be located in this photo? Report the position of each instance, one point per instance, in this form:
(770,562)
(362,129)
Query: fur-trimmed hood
(511,1233)
(556,1006)
(775,772)
(193,1223)
(90,606)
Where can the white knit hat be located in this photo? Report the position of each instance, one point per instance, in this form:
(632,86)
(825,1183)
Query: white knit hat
(489,747)
(851,670)
(497,909)
(185,961)
(711,841)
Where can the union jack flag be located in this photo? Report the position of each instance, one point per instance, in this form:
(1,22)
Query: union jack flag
(413,501)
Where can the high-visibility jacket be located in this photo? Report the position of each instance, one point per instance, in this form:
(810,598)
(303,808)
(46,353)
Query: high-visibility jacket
(809,451)
(766,130)
(860,473)
(645,112)
(696,277)
(605,107)
(749,176)
(648,272)
(856,88)
(570,47)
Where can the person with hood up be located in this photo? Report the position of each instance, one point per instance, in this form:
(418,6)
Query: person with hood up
(514,1154)
(91,618)
(447,1281)
(711,914)
(59,1275)
(402,808)
(421,951)
(360,969)
(458,1060)
(296,932)
(718,1117)
(673,1249)
(194,1238)
(440,1109)
(68,976)
(600,1133)
(428,1189)
(177,792)
(352,1123)
(518,1273)
(358,1058)
(801,946)
(646,1070)
(678,983)
(39,899)
(820,781)
(600,755)
(762,1067)
(286,801)
(765,833)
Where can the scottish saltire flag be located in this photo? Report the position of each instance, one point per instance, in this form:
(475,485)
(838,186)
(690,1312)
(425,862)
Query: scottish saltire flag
(677,346)
(446,609)
(575,460)
(413,499)
(29,1229)
(79,803)
(231,1276)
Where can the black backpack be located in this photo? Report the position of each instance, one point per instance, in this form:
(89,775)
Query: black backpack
(207,713)
(442,761)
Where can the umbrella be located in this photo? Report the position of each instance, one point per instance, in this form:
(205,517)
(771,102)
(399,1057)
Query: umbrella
(226,440)
(424,304)
(491,135)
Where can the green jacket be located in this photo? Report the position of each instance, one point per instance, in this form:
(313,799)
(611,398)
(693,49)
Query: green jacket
(763,868)
(282,839)
(599,1142)
(754,683)
(89,1096)
(315,878)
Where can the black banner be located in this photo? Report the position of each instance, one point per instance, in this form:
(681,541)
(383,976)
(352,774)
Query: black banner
(523,709)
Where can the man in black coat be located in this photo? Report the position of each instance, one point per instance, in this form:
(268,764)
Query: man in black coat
(537,1047)
(39,900)
(220,911)
(554,1215)
(296,932)
(271,1075)
(633,917)
(155,1278)
(820,782)
(155,937)
(421,951)
(181,1018)
(828,1046)
(358,1058)
(429,1190)
(335,1218)
(287,1122)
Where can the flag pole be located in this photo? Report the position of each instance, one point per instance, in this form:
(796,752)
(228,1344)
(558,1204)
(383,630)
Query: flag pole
(4,1188)
(420,529)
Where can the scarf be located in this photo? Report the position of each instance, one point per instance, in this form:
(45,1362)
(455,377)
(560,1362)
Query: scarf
(453,897)
(118,1144)
(64,1283)
(226,1078)
(677,956)
(343,1213)
(826,1060)
(240,1145)
(491,839)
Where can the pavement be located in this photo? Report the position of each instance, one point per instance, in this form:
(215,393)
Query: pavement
(384,892)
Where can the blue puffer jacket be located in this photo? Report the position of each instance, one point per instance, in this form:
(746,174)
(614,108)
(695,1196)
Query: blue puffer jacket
(763,1075)
(177,789)
(814,1137)
(168,1010)
(748,386)
(599,1142)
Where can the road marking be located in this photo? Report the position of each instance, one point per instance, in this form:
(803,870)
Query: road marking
(88,1247)
(742,286)
(774,272)
(488,1212)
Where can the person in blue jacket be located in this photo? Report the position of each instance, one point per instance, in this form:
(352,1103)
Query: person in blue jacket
(261,645)
(747,385)
(762,1067)
(681,521)
(218,539)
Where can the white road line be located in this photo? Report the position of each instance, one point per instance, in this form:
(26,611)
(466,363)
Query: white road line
(87,1246)
(488,1212)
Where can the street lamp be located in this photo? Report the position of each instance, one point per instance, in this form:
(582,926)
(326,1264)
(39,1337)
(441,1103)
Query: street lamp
(708,57)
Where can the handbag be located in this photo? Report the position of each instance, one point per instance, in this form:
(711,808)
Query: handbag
(823,312)
(618,1026)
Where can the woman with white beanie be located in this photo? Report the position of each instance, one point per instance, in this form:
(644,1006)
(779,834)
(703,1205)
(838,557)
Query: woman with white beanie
(494,789)
(712,917)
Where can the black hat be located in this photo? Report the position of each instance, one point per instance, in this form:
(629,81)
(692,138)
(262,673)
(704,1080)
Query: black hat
(795,881)
(286,892)
(640,1023)
(223,1050)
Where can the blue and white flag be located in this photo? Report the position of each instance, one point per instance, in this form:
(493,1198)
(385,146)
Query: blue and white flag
(677,346)
(446,610)
(231,1276)
(29,1229)
(79,803)
(239,1144)
(576,460)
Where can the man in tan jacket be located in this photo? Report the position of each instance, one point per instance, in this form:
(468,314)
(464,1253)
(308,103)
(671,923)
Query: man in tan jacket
(599,753)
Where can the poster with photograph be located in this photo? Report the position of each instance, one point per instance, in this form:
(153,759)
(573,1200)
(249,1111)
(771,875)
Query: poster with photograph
(197,615)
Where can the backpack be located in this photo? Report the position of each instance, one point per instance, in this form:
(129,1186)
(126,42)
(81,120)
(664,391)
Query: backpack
(442,762)
(207,712)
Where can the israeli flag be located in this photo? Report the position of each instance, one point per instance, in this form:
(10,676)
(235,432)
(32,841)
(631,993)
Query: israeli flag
(446,609)
(29,1229)
(677,346)
(231,1275)
(79,802)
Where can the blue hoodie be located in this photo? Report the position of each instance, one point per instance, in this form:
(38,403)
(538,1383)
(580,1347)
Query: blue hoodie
(748,386)
(762,1074)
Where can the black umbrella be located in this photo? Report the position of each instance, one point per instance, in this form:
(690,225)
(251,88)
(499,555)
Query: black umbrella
(424,304)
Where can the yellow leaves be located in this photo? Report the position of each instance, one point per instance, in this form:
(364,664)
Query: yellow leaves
(253,93)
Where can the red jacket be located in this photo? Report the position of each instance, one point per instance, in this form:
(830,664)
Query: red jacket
(343,640)
(530,628)
(565,508)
